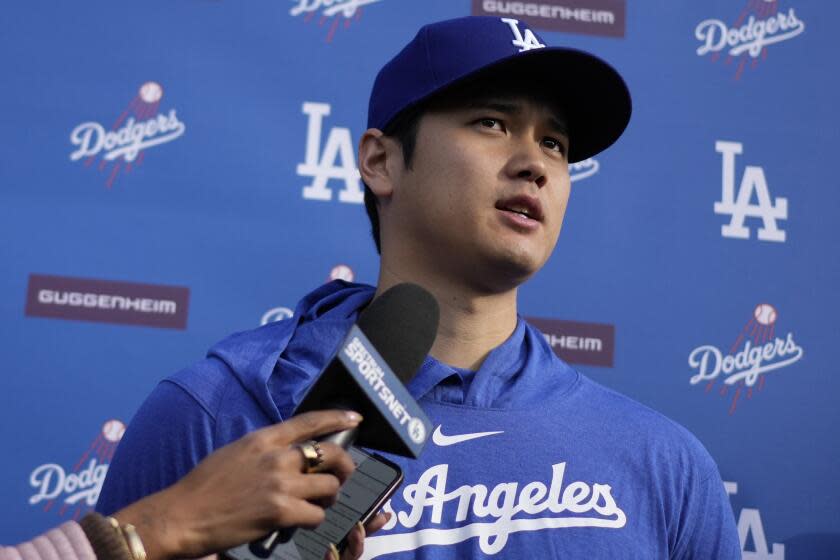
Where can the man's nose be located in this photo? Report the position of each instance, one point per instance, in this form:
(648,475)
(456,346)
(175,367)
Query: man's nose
(527,162)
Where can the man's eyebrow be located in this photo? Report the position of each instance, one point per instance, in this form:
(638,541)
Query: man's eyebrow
(559,125)
(555,121)
(507,107)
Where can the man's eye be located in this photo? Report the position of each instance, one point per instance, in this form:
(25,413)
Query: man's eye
(553,144)
(491,123)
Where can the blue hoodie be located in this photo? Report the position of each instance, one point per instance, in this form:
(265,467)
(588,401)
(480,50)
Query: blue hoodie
(528,457)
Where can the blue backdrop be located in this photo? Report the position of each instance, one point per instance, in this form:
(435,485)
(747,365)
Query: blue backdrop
(175,171)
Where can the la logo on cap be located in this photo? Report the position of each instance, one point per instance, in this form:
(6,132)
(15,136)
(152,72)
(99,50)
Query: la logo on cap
(524,42)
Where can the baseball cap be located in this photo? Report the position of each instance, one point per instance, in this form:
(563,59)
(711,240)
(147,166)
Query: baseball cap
(593,95)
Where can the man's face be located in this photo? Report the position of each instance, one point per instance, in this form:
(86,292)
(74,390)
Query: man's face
(485,196)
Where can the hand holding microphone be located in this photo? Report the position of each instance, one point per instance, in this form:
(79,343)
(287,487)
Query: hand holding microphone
(246,489)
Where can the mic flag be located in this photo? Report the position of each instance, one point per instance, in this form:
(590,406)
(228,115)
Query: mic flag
(378,356)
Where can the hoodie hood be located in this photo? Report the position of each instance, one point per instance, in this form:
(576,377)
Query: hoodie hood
(278,362)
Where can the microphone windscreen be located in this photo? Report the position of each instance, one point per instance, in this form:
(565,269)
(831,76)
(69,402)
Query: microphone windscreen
(402,324)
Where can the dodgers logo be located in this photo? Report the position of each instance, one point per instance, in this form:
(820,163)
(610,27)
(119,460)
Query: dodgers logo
(757,351)
(491,514)
(524,41)
(759,25)
(140,126)
(77,488)
(739,207)
(333,11)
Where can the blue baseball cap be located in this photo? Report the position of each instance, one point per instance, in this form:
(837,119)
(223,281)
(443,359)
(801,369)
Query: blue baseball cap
(592,94)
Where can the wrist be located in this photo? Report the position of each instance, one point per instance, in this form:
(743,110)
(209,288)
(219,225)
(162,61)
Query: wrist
(105,537)
(150,517)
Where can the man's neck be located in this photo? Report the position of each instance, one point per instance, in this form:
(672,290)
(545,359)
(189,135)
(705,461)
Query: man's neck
(471,323)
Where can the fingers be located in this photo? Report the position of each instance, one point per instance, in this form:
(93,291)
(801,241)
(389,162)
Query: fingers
(336,461)
(292,512)
(321,487)
(355,543)
(310,425)
(356,538)
(377,522)
(332,553)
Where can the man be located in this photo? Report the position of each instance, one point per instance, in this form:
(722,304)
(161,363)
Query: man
(471,130)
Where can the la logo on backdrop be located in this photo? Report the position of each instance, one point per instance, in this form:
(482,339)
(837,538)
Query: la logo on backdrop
(760,24)
(335,158)
(738,204)
(73,492)
(751,532)
(738,372)
(332,12)
(118,148)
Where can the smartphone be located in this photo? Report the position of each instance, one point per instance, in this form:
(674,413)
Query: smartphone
(362,495)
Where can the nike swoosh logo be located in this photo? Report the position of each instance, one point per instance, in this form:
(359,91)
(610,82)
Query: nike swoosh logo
(443,440)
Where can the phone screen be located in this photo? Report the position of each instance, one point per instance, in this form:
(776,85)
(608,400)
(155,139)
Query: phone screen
(367,489)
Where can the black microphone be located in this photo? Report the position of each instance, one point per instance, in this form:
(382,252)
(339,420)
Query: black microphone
(368,373)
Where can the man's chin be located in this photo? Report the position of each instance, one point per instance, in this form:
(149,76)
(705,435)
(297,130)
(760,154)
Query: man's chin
(509,270)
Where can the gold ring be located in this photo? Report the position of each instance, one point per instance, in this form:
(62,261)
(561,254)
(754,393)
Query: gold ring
(313,455)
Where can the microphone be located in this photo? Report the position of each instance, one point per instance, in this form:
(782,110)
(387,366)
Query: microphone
(368,373)
(380,354)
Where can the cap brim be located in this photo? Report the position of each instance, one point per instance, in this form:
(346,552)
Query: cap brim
(593,95)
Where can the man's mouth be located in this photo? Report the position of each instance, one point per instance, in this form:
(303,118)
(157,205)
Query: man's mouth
(525,206)
(519,210)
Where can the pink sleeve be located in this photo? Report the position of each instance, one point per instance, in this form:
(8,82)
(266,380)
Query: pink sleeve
(66,542)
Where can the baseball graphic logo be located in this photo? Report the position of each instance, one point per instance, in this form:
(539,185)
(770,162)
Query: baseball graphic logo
(744,39)
(765,314)
(742,367)
(73,490)
(342,272)
(113,430)
(121,147)
(151,92)
(276,314)
(334,11)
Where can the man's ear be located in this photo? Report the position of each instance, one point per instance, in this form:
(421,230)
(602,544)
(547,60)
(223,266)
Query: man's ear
(377,153)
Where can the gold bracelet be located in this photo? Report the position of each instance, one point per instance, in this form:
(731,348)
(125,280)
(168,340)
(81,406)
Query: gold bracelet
(131,538)
(135,545)
(105,537)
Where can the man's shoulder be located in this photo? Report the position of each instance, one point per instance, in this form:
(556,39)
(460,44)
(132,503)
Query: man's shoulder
(617,403)
(645,430)
(189,414)
(232,366)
